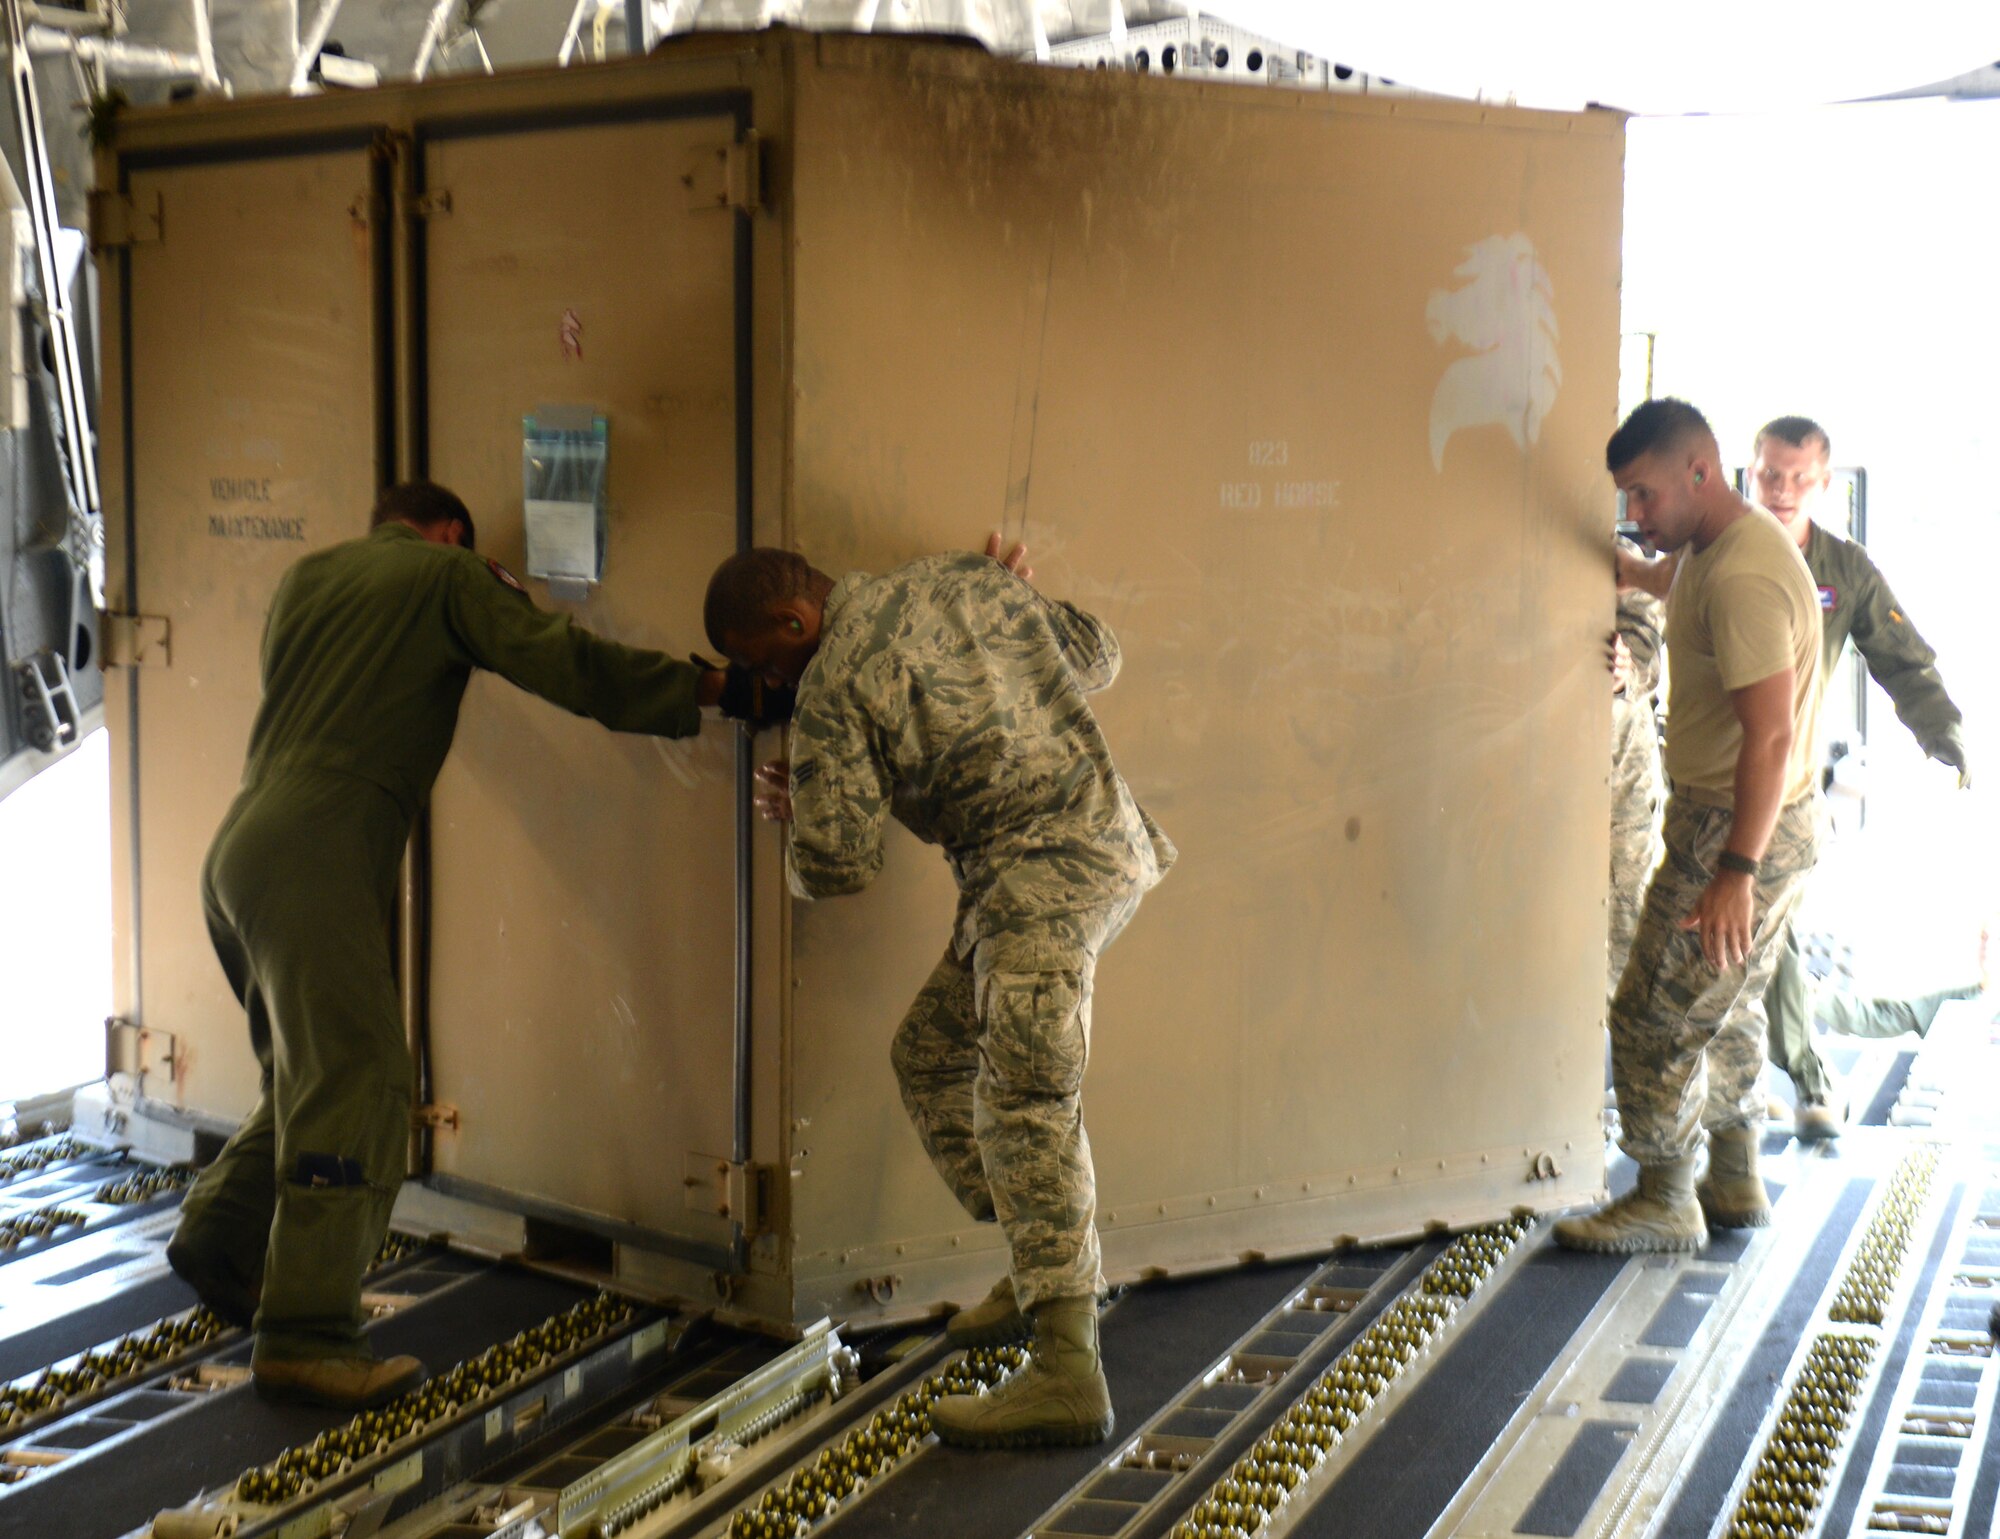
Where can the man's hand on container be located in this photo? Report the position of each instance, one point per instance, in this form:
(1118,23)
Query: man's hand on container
(1620,657)
(1015,560)
(772,795)
(1635,571)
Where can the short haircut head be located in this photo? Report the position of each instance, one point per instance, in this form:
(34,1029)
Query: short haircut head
(749,585)
(422,505)
(1665,424)
(1799,432)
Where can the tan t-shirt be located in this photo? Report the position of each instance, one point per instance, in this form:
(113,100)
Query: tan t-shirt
(1738,612)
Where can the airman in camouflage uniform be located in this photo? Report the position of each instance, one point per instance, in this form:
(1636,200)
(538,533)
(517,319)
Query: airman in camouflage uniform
(951,696)
(1788,475)
(1636,788)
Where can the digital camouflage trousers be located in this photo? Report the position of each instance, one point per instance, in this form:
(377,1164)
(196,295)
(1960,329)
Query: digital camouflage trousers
(990,1061)
(1687,1037)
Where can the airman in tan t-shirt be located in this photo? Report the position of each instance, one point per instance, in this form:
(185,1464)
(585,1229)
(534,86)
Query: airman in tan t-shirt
(1739,611)
(1741,831)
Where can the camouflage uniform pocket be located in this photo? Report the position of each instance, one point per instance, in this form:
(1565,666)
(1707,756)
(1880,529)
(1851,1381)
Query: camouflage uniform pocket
(1694,836)
(1035,1036)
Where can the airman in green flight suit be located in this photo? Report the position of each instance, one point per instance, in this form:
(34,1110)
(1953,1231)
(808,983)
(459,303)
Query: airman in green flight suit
(367,651)
(1788,475)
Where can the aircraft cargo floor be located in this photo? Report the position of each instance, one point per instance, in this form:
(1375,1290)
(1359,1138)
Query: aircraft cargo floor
(1832,1374)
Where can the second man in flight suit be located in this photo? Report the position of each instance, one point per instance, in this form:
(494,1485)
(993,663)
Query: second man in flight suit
(1789,475)
(367,651)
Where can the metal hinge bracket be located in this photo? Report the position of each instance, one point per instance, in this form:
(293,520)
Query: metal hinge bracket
(726,176)
(130,1048)
(118,219)
(136,641)
(49,713)
(739,1193)
(437,1116)
(434,204)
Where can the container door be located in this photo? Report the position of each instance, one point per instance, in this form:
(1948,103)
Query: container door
(246,335)
(583,882)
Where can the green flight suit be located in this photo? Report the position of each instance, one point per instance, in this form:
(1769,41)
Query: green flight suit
(366,655)
(1855,601)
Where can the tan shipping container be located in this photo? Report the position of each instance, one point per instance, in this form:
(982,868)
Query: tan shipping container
(1305,394)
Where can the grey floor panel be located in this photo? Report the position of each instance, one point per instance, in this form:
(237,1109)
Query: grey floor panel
(1639,1381)
(1402,1479)
(1576,1482)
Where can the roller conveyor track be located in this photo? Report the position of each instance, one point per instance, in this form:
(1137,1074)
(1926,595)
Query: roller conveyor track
(130,1309)
(1488,1420)
(122,1485)
(21,1162)
(1495,1427)
(76,1372)
(1155,1340)
(83,1193)
(1827,1376)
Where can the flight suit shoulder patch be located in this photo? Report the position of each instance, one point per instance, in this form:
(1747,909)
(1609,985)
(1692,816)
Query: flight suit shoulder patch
(504,575)
(1829,598)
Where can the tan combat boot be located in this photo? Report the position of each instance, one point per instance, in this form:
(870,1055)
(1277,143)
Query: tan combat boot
(354,1383)
(1659,1214)
(1059,1399)
(996,1322)
(1732,1194)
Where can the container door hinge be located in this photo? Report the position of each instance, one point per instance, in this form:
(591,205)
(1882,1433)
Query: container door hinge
(436,1116)
(726,176)
(739,1193)
(118,219)
(136,641)
(136,1050)
(434,204)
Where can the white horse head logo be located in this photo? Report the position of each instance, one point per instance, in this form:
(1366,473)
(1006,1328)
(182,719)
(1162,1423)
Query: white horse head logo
(1505,310)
